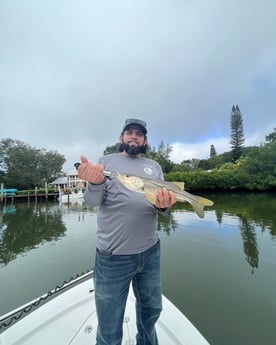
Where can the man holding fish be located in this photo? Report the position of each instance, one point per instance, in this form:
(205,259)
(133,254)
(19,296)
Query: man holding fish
(129,190)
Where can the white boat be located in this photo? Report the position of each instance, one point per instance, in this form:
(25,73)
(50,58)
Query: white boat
(71,196)
(69,317)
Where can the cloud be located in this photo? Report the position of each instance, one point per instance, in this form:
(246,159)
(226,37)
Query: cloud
(72,72)
(186,151)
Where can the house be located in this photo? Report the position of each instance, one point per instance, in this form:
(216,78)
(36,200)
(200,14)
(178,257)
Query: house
(70,181)
(74,181)
(59,183)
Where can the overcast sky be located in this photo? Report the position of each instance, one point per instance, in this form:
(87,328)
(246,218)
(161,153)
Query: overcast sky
(72,71)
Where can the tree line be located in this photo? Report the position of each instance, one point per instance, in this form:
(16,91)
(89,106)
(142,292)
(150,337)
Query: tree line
(249,168)
(25,167)
(241,168)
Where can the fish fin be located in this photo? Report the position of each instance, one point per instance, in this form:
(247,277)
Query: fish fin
(198,208)
(199,203)
(150,197)
(179,184)
(204,201)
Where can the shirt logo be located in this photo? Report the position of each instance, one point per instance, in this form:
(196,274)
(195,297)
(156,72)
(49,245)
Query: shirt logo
(148,170)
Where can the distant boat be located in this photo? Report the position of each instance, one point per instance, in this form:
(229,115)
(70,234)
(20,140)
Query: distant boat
(69,317)
(71,196)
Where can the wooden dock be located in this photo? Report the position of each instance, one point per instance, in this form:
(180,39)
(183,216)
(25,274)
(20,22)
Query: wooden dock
(30,196)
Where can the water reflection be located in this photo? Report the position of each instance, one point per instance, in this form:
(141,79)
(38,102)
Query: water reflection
(26,226)
(167,223)
(257,208)
(250,246)
(253,210)
(30,225)
(27,229)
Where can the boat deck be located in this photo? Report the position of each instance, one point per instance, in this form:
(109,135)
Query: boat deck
(70,318)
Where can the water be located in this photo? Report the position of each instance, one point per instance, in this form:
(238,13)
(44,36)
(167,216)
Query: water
(220,271)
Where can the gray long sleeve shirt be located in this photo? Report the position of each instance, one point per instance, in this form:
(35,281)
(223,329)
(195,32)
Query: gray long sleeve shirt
(127,222)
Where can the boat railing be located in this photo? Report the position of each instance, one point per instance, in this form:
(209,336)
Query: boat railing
(15,315)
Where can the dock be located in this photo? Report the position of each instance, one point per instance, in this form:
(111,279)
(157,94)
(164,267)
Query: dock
(29,196)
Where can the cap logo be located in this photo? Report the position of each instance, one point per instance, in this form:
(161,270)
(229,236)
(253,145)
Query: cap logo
(148,170)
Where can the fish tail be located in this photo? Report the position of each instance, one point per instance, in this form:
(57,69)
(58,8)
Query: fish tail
(204,201)
(199,208)
(197,202)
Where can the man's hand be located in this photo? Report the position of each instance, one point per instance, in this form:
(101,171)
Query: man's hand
(164,198)
(90,172)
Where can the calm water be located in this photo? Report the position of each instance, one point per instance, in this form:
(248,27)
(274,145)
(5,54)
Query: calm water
(220,271)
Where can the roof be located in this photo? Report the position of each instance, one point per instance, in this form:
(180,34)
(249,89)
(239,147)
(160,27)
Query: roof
(59,180)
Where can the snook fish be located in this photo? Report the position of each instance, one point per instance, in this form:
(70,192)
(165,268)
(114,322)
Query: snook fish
(149,187)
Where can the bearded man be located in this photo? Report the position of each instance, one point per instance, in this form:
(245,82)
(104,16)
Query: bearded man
(128,247)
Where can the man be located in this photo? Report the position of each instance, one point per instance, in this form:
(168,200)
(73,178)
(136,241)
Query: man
(128,248)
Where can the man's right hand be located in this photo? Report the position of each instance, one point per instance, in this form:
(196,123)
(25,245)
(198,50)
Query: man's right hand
(91,172)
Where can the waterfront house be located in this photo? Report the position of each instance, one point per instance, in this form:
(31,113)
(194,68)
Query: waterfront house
(70,181)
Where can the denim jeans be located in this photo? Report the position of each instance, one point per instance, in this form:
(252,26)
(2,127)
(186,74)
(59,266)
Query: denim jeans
(112,277)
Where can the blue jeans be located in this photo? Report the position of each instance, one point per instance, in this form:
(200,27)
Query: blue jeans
(112,277)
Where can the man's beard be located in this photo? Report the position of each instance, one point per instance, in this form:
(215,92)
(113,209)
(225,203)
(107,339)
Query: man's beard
(132,149)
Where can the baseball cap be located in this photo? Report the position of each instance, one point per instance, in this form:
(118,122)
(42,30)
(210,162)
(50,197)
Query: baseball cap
(135,122)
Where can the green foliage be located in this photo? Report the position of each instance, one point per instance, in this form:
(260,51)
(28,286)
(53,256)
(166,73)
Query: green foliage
(161,154)
(23,166)
(253,169)
(216,161)
(183,167)
(237,134)
(271,138)
(111,149)
(213,151)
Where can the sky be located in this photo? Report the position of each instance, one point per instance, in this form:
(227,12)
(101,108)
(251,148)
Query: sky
(72,71)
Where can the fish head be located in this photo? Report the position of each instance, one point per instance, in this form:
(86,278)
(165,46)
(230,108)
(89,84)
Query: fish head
(134,183)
